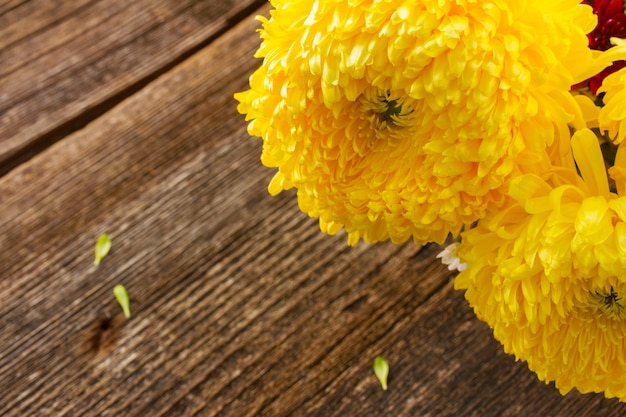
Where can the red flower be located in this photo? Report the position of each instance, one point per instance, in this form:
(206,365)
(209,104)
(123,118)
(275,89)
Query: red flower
(611,24)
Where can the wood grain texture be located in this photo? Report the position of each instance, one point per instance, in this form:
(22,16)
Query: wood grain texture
(63,66)
(8,5)
(29,17)
(240,306)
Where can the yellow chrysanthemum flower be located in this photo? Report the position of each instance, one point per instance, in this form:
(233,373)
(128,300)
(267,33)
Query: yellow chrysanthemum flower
(612,116)
(548,272)
(405,118)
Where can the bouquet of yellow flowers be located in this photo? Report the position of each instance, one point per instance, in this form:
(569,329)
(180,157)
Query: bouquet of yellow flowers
(497,122)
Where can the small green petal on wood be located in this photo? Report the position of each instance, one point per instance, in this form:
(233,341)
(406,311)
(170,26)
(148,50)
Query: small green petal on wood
(121,295)
(103,246)
(381,370)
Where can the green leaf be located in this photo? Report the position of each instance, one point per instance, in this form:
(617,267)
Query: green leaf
(121,295)
(103,246)
(381,370)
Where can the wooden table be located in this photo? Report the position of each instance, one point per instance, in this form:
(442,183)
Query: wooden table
(118,117)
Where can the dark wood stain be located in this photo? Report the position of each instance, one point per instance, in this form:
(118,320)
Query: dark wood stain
(102,335)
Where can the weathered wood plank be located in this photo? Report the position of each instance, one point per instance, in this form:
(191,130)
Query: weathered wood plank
(8,5)
(29,17)
(240,306)
(58,78)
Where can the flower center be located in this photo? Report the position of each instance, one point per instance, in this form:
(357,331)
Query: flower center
(609,302)
(386,111)
(393,109)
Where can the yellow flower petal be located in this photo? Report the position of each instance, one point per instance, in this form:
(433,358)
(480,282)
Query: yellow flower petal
(590,161)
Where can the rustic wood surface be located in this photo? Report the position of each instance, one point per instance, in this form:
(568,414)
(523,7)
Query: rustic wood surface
(118,117)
